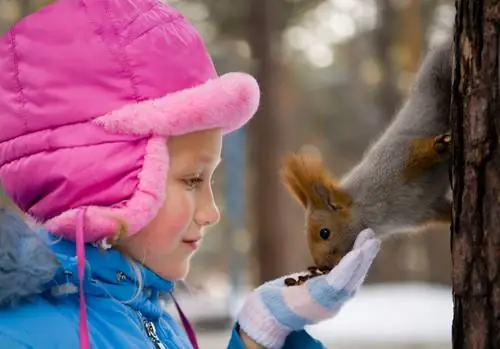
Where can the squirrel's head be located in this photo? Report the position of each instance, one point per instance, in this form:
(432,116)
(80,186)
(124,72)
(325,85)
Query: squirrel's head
(327,208)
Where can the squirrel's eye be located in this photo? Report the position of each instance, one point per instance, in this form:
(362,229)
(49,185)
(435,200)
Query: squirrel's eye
(324,233)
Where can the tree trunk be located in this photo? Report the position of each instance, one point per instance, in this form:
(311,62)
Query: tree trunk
(475,240)
(267,143)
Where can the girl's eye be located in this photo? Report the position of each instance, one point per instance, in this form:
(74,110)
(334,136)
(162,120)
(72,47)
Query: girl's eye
(193,183)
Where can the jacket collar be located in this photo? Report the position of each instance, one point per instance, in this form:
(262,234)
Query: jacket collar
(109,274)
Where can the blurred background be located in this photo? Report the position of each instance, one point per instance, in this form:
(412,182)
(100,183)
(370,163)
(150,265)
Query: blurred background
(333,73)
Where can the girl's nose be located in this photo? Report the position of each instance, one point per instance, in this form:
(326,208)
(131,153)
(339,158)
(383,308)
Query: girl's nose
(208,215)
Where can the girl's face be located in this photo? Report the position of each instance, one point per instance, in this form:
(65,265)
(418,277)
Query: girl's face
(168,242)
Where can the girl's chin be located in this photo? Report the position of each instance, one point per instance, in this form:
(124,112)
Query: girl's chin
(176,272)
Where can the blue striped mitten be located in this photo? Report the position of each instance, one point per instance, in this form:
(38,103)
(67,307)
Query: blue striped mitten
(273,310)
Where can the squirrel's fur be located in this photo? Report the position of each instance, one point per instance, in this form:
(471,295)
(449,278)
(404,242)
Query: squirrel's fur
(401,181)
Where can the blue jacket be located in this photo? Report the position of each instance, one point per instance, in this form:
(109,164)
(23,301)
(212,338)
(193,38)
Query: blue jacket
(40,300)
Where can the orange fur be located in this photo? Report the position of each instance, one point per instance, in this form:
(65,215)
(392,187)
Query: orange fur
(422,155)
(326,207)
(300,174)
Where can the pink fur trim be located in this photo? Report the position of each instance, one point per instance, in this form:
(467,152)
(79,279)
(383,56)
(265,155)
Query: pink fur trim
(138,211)
(226,102)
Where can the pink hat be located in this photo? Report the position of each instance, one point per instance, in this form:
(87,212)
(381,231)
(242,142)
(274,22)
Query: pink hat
(89,92)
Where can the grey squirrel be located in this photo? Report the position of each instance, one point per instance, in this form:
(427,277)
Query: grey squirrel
(401,181)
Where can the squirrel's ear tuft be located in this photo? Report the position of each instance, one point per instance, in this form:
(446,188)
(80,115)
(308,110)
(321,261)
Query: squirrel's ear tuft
(325,196)
(331,197)
(294,176)
(310,183)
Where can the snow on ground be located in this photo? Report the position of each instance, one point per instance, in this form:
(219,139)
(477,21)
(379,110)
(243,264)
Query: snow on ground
(392,313)
(408,315)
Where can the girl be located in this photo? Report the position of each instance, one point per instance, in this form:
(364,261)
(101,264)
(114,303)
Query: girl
(112,124)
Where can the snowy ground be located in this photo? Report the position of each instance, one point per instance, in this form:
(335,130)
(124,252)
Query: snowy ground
(389,316)
(404,315)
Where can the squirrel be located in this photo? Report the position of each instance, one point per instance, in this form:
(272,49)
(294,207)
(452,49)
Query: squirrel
(401,182)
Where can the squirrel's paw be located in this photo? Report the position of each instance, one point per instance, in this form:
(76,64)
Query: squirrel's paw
(442,143)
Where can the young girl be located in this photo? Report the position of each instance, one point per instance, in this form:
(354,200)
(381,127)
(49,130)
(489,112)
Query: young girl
(112,120)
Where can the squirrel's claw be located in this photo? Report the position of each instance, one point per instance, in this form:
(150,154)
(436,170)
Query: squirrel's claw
(442,143)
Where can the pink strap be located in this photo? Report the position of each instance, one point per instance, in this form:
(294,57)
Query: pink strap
(80,255)
(187,326)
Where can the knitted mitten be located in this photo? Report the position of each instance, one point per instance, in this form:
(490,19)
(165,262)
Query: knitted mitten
(274,310)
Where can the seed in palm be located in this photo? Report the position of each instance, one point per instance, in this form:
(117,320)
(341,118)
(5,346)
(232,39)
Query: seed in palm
(301,279)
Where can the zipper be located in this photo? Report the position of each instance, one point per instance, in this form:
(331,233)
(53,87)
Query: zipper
(151,331)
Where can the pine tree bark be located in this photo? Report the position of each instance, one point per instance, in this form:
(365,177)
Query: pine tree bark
(475,121)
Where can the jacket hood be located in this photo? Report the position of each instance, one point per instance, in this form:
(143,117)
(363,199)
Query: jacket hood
(26,262)
(34,261)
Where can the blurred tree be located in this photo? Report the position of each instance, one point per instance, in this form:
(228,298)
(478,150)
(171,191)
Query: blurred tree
(25,6)
(475,241)
(387,95)
(13,10)
(268,140)
(231,16)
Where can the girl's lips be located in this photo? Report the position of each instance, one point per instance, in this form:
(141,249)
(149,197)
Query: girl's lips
(193,244)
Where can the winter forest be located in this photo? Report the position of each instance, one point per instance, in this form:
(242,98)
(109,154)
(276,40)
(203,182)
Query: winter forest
(333,74)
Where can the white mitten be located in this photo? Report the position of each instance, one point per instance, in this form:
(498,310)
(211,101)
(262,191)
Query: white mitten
(274,310)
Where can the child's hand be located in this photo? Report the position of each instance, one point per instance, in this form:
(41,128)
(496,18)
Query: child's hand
(274,310)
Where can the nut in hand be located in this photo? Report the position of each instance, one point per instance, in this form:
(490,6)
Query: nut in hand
(312,273)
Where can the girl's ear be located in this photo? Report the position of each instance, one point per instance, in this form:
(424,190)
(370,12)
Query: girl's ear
(309,182)
(122,231)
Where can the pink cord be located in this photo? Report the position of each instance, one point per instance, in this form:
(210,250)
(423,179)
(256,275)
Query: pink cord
(187,326)
(80,255)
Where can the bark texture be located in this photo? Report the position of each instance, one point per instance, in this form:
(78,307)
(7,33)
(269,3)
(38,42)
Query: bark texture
(475,124)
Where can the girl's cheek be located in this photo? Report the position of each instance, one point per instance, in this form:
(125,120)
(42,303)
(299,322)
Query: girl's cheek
(175,223)
(165,239)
